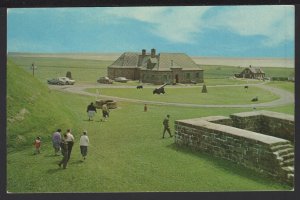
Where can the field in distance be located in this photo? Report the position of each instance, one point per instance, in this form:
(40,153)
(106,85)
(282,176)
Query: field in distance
(224,61)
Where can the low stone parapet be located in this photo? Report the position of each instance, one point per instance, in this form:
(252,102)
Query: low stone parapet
(263,153)
(266,122)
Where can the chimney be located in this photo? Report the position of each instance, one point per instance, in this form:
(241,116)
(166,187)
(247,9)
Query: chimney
(143,52)
(153,53)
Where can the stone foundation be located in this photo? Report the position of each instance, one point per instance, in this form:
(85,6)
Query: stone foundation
(219,136)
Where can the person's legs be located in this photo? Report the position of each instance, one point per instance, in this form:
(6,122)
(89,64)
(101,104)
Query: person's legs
(84,151)
(37,150)
(164,132)
(70,146)
(65,161)
(81,150)
(169,131)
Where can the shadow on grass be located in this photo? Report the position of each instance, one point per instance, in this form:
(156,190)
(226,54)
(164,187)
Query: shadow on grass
(229,167)
(77,162)
(91,121)
(52,156)
(52,171)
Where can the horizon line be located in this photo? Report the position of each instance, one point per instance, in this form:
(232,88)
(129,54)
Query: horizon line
(208,56)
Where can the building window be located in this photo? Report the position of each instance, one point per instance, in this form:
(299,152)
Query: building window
(188,75)
(197,75)
(165,77)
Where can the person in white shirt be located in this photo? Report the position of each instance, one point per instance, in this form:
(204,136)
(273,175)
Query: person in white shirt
(84,143)
(70,140)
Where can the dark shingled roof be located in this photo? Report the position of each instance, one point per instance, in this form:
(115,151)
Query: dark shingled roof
(256,70)
(127,59)
(179,60)
(161,62)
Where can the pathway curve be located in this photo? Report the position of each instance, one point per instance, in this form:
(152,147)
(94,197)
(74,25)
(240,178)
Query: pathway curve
(285,97)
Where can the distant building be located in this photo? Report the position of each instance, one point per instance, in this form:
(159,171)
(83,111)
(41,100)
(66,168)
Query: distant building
(252,73)
(156,68)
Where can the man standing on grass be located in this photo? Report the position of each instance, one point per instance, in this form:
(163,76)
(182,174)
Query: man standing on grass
(91,110)
(84,143)
(70,141)
(105,112)
(166,126)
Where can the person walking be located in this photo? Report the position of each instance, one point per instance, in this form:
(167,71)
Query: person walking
(64,151)
(91,110)
(166,126)
(37,144)
(145,108)
(56,139)
(105,112)
(84,143)
(70,140)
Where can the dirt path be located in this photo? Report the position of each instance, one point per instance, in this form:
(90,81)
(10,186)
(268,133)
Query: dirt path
(285,97)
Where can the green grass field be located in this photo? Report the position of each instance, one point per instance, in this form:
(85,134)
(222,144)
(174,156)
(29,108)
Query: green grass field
(126,154)
(215,95)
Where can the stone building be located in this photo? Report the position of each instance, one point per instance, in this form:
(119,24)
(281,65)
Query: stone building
(252,73)
(156,68)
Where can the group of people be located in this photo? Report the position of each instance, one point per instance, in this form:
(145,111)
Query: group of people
(65,145)
(91,110)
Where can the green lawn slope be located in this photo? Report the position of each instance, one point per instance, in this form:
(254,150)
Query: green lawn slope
(32,109)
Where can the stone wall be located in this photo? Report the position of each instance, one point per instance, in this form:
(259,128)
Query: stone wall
(154,76)
(129,73)
(266,122)
(215,135)
(161,77)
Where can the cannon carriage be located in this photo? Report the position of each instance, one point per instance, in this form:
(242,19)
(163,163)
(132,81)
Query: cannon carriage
(160,90)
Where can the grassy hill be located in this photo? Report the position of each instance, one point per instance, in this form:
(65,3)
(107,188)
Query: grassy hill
(27,102)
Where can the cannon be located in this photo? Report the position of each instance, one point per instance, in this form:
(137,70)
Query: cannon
(160,90)
(111,104)
(255,99)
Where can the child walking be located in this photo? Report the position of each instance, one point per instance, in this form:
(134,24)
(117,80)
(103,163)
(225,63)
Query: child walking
(37,145)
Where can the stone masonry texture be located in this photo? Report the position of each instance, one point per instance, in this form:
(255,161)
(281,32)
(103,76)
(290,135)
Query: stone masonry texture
(259,140)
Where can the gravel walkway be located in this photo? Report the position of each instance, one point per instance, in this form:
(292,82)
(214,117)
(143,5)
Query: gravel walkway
(285,96)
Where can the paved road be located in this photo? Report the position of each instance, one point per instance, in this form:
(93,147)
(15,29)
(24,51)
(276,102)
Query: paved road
(285,96)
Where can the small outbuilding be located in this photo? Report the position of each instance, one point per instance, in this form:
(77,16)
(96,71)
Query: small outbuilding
(252,73)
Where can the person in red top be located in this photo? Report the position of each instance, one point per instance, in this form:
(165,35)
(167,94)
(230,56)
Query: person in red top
(37,144)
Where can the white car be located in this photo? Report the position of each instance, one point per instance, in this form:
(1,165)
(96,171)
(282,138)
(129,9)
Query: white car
(121,79)
(61,81)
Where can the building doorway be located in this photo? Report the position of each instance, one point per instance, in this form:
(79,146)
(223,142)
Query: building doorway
(176,78)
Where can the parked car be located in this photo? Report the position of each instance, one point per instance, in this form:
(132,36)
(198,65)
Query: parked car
(61,81)
(105,80)
(121,79)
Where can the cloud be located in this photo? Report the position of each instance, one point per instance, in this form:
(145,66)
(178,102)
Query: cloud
(274,23)
(176,24)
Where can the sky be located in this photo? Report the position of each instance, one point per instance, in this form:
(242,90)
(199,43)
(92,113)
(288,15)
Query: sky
(223,31)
